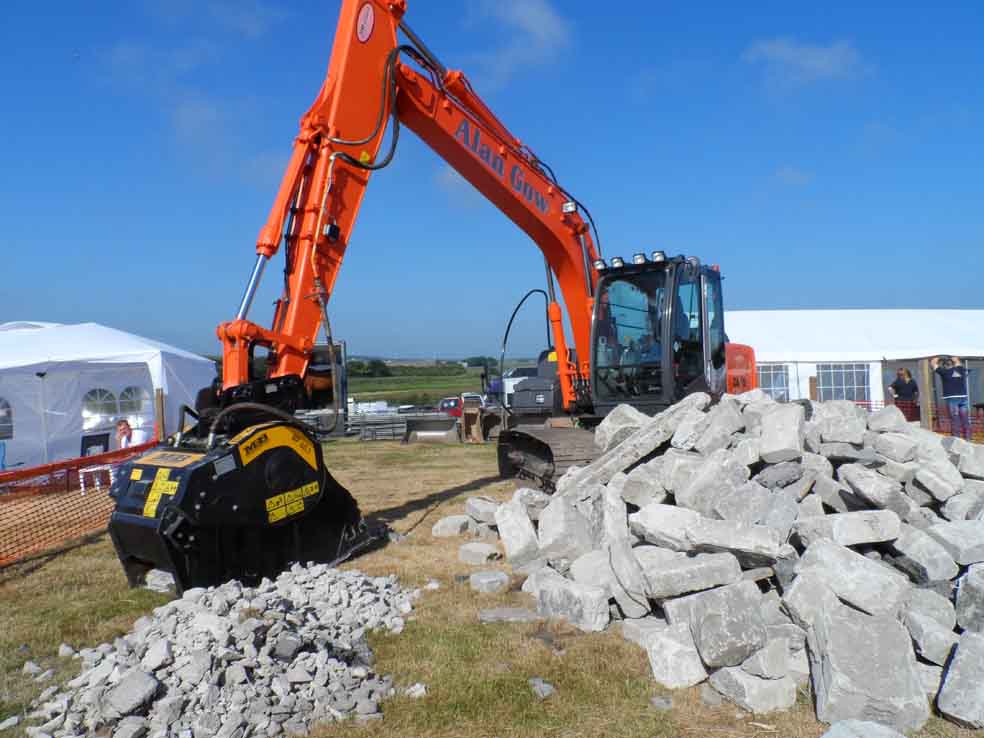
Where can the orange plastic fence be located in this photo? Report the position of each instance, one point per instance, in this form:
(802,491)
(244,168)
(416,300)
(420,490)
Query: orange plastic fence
(46,507)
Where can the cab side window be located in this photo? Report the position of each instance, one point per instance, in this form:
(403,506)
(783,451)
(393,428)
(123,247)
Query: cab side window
(688,350)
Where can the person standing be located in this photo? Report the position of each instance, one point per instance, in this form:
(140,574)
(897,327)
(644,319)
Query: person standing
(906,393)
(953,375)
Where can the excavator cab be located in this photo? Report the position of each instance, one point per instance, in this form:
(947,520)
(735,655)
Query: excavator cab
(657,333)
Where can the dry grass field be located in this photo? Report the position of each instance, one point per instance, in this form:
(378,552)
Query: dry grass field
(476,675)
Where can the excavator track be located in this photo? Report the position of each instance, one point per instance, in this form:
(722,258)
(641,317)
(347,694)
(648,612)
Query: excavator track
(542,454)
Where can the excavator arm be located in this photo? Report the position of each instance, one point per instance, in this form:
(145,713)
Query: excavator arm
(374,86)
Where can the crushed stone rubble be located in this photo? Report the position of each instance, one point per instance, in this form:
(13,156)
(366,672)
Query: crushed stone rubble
(754,547)
(235,662)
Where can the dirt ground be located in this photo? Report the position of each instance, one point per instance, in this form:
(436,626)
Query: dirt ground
(476,675)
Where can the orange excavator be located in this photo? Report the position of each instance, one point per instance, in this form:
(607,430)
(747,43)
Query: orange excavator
(243,490)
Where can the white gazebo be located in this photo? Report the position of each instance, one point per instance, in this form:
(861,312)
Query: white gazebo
(63,387)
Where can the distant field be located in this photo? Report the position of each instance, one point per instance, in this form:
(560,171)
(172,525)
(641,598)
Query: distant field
(413,390)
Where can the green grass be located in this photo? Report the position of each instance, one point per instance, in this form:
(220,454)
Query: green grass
(414,390)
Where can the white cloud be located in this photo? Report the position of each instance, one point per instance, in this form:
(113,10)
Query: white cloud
(789,62)
(459,190)
(249,18)
(793,176)
(537,33)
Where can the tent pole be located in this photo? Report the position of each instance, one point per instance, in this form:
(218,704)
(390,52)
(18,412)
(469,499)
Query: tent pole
(44,417)
(159,410)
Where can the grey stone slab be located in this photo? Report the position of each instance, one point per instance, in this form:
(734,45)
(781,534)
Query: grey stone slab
(962,539)
(862,728)
(628,584)
(644,484)
(811,506)
(931,604)
(922,557)
(771,661)
(481,509)
(542,689)
(850,529)
(961,697)
(741,594)
(657,431)
(931,677)
(970,599)
(134,690)
(896,446)
(689,429)
(728,636)
(688,574)
(863,668)
(781,439)
(478,553)
(719,474)
(748,504)
(758,696)
(888,419)
(816,463)
(508,615)
(664,525)
(532,499)
(581,605)
(615,517)
(901,472)
(840,422)
(806,598)
(618,425)
(517,533)
(836,496)
(754,545)
(782,513)
(489,582)
(640,630)
(875,489)
(779,475)
(846,452)
(674,659)
(928,480)
(748,451)
(959,506)
(971,461)
(677,467)
(594,569)
(564,532)
(452,526)
(932,641)
(863,583)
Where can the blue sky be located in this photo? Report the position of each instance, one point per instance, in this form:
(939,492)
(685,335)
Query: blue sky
(824,156)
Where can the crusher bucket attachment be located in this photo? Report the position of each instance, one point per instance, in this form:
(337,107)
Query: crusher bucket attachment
(542,454)
(245,509)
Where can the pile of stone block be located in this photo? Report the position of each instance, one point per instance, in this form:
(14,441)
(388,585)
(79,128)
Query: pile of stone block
(236,661)
(761,546)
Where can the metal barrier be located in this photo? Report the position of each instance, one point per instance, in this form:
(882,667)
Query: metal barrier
(45,508)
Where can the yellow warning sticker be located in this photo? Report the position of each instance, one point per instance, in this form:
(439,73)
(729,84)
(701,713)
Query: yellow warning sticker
(259,442)
(289,503)
(175,459)
(162,486)
(136,474)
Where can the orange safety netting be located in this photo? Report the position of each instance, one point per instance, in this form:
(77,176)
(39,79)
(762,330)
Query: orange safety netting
(46,507)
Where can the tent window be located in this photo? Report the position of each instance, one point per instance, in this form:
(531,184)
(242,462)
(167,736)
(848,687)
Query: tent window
(843,382)
(6,420)
(134,400)
(774,380)
(99,403)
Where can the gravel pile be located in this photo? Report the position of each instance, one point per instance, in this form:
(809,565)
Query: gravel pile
(758,546)
(235,661)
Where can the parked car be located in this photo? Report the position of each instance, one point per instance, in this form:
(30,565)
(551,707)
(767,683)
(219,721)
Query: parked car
(451,406)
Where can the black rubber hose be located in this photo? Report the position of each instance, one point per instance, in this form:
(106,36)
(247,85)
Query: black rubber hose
(505,340)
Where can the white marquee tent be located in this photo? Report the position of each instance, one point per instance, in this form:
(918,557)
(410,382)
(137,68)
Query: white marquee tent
(853,354)
(62,388)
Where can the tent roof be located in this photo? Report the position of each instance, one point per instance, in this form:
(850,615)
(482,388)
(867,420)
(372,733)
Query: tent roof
(31,344)
(857,335)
